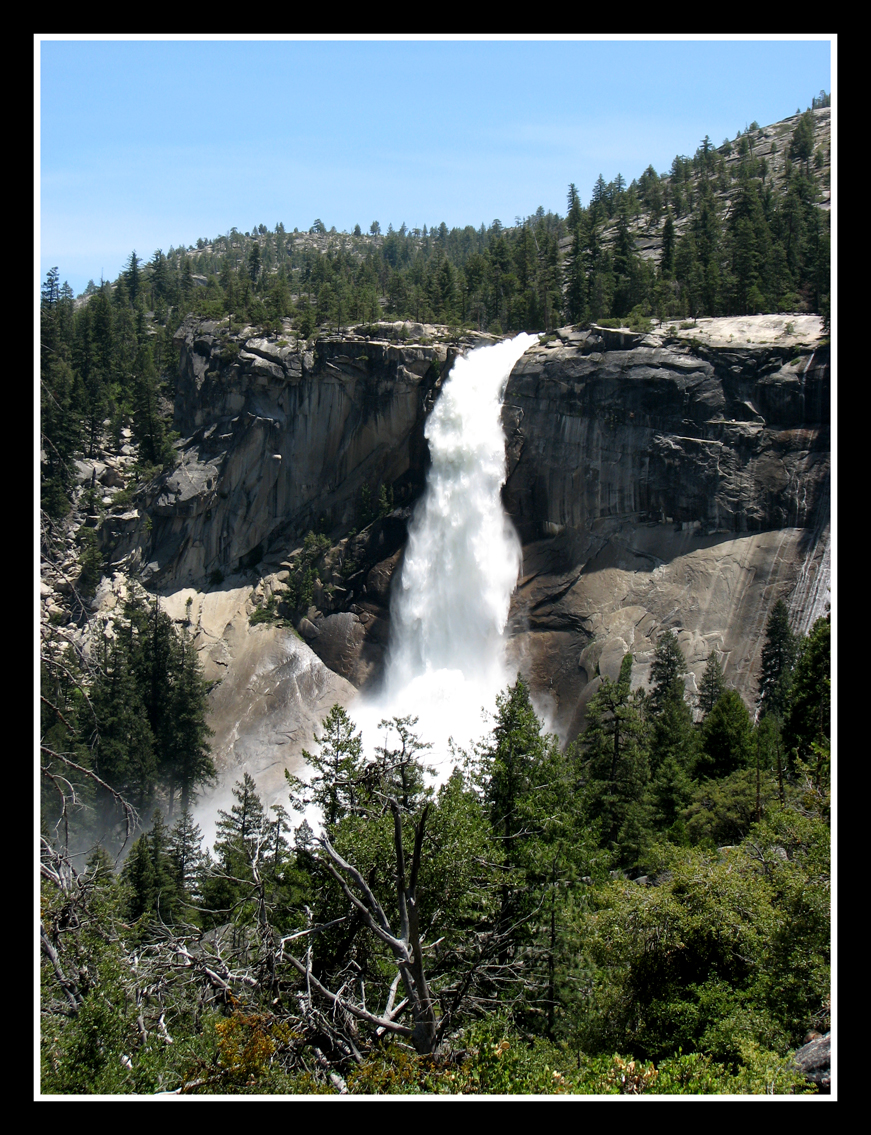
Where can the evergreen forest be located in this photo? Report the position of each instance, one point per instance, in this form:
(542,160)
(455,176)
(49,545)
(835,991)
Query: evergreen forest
(738,229)
(643,911)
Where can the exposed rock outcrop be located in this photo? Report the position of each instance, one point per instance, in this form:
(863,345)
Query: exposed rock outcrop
(279,440)
(604,424)
(677,480)
(272,691)
(815,1060)
(664,484)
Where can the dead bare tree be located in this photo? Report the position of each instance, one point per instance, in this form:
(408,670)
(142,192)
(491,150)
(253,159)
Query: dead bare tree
(404,943)
(472,976)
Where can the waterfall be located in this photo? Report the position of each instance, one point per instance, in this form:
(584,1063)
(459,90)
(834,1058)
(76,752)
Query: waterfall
(450,604)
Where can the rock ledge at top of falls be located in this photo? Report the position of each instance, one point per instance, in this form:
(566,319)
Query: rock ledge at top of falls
(723,437)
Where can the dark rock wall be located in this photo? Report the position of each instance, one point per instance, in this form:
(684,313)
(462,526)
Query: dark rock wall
(660,486)
(280,440)
(734,441)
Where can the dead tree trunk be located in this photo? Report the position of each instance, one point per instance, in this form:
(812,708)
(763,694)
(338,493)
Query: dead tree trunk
(404,945)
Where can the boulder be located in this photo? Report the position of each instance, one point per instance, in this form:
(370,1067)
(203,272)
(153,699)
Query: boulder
(814,1060)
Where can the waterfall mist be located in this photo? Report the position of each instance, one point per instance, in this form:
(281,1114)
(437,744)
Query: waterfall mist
(449,605)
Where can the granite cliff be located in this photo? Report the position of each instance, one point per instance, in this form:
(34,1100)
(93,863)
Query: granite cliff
(280,440)
(676,480)
(666,481)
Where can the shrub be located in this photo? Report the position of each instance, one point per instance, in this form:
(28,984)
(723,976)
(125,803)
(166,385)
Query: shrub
(638,321)
(229,353)
(267,613)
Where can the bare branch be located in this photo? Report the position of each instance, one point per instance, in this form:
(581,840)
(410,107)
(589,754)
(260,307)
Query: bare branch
(311,930)
(70,988)
(382,927)
(348,1006)
(131,816)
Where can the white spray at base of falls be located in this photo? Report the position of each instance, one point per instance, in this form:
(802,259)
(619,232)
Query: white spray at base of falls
(450,605)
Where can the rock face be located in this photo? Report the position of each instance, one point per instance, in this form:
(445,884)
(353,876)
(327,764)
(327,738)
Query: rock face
(281,440)
(658,484)
(610,424)
(676,480)
(351,634)
(815,1061)
(273,691)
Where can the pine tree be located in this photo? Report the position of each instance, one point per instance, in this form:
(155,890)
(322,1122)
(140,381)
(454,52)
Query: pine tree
(133,277)
(511,769)
(807,719)
(712,686)
(95,381)
(138,874)
(667,672)
(60,425)
(228,883)
(152,889)
(187,760)
(149,428)
(615,766)
(530,791)
(801,146)
(673,736)
(726,737)
(511,762)
(576,279)
(124,744)
(335,785)
(666,263)
(599,203)
(172,694)
(573,217)
(400,773)
(778,658)
(242,830)
(185,851)
(165,884)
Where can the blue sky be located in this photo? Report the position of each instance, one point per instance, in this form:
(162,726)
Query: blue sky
(145,144)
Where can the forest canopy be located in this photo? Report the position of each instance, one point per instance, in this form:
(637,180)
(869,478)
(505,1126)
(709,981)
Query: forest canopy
(658,890)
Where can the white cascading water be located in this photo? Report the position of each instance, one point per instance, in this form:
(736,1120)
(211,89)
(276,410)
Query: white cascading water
(450,605)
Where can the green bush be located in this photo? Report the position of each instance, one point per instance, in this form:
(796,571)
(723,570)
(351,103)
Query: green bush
(315,544)
(266,613)
(123,497)
(728,954)
(229,353)
(638,321)
(495,1061)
